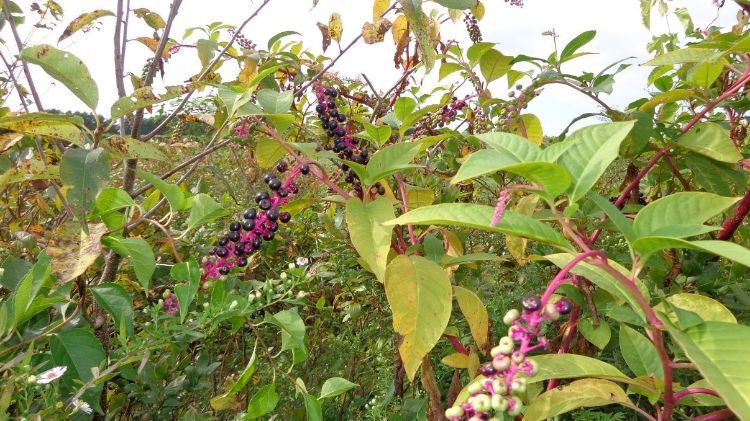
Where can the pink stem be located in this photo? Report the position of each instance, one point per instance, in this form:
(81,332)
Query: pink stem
(715,416)
(402,191)
(560,278)
(693,391)
(457,345)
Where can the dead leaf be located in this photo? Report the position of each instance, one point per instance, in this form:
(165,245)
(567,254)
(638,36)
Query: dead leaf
(326,33)
(72,251)
(375,32)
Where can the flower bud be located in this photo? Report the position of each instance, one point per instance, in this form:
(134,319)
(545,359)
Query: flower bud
(166,293)
(283,275)
(511,316)
(205,304)
(31,379)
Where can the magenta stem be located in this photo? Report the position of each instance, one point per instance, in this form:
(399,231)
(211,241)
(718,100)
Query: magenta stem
(715,416)
(693,391)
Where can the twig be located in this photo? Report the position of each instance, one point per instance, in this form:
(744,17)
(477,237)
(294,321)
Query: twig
(170,240)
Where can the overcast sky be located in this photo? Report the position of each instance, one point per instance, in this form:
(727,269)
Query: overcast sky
(515,30)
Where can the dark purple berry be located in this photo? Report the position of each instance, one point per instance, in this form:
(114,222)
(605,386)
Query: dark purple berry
(330,91)
(324,125)
(334,113)
(320,108)
(329,132)
(285,217)
(273,226)
(222,251)
(223,270)
(282,166)
(268,236)
(223,240)
(242,262)
(563,306)
(341,131)
(261,196)
(293,189)
(264,204)
(333,124)
(344,167)
(268,177)
(272,214)
(531,303)
(212,252)
(487,370)
(364,154)
(250,213)
(331,105)
(305,169)
(234,236)
(274,184)
(248,224)
(234,226)
(381,190)
(341,118)
(282,192)
(257,242)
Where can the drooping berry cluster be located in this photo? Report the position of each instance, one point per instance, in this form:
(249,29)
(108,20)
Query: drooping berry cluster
(340,140)
(242,41)
(257,225)
(519,100)
(506,376)
(472,28)
(427,124)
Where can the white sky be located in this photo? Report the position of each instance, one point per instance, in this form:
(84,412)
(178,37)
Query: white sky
(516,30)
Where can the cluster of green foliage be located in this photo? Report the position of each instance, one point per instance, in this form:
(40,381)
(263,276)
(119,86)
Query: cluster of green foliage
(387,300)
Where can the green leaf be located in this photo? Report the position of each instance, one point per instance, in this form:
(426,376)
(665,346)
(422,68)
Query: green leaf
(189,273)
(292,329)
(704,74)
(380,134)
(448,261)
(204,209)
(667,97)
(412,9)
(144,97)
(263,402)
(172,192)
(206,50)
(144,262)
(268,152)
(597,335)
(475,314)
(335,386)
(13,271)
(570,366)
(42,124)
(80,351)
(516,147)
(685,55)
(494,65)
(448,68)
(65,68)
(404,106)
(584,393)
(274,102)
(29,287)
(552,178)
(603,279)
(482,162)
(639,353)
(719,350)
(707,308)
(111,199)
(646,13)
(682,208)
(420,297)
(226,400)
(711,140)
(313,408)
(390,160)
(576,43)
(418,197)
(371,239)
(113,298)
(648,245)
(479,217)
(85,172)
(458,4)
(129,148)
(622,223)
(593,149)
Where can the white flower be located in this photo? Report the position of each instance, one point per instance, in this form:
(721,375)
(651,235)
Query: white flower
(301,261)
(82,406)
(51,375)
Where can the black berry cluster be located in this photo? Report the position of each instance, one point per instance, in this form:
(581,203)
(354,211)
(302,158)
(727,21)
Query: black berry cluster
(258,223)
(426,126)
(340,140)
(472,28)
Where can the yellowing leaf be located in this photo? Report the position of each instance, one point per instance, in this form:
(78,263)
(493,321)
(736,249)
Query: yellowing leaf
(153,19)
(335,26)
(478,11)
(419,294)
(249,71)
(371,239)
(153,44)
(418,197)
(456,360)
(584,393)
(475,313)
(473,366)
(378,9)
(529,127)
(400,29)
(375,32)
(268,152)
(84,22)
(517,245)
(72,251)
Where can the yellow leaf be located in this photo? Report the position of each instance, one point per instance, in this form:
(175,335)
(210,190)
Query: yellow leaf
(378,9)
(418,197)
(268,152)
(335,26)
(473,363)
(419,294)
(528,126)
(84,21)
(375,32)
(249,71)
(456,360)
(72,251)
(153,44)
(517,245)
(455,14)
(478,11)
(475,313)
(400,29)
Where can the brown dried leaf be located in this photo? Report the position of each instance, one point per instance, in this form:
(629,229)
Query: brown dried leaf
(375,32)
(326,33)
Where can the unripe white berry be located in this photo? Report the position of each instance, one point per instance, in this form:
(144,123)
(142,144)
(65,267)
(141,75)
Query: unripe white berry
(475,387)
(455,411)
(501,363)
(517,406)
(518,357)
(518,386)
(511,316)
(551,311)
(499,403)
(481,403)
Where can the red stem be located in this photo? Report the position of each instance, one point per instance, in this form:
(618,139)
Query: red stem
(734,222)
(567,340)
(457,345)
(693,391)
(715,416)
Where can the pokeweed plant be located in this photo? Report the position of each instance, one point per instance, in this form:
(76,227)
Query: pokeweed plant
(410,174)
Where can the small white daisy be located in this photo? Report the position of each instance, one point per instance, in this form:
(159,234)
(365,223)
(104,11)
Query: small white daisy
(51,375)
(82,406)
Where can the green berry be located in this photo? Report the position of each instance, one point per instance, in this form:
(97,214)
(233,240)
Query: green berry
(511,316)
